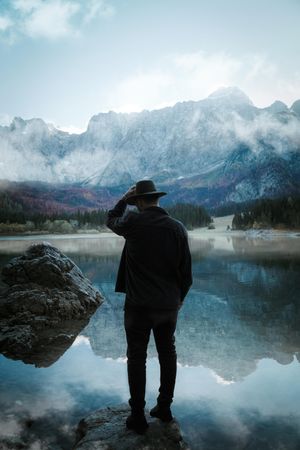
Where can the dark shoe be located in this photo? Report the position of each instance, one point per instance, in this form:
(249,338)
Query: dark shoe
(162,413)
(136,423)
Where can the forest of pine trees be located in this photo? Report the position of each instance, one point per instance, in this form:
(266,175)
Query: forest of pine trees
(265,213)
(192,216)
(269,213)
(14,218)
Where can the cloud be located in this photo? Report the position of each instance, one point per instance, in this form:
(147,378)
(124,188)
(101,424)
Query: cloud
(71,129)
(5,119)
(81,340)
(140,91)
(207,71)
(9,427)
(181,77)
(193,76)
(266,128)
(50,409)
(5,23)
(26,6)
(96,8)
(51,19)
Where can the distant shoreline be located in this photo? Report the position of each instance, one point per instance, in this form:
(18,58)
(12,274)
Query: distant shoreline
(220,228)
(48,233)
(203,241)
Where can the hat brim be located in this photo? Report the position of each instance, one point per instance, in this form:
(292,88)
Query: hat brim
(132,199)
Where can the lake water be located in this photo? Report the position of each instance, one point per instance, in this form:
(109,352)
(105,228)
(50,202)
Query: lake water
(238,345)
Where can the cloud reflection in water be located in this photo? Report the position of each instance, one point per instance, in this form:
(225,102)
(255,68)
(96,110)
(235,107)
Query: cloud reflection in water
(238,344)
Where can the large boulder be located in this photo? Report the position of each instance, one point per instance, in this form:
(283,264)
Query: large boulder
(105,430)
(45,300)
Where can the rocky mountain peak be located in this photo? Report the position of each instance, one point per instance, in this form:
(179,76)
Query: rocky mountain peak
(17,123)
(232,94)
(216,141)
(35,125)
(295,108)
(277,107)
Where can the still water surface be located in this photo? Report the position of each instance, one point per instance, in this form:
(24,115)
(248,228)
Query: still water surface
(238,345)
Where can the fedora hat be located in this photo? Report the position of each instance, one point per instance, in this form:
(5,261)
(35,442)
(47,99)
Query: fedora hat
(144,188)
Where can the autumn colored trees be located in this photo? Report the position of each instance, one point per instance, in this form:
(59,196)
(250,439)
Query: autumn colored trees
(14,218)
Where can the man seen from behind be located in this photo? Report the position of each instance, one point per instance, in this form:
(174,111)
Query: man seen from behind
(155,274)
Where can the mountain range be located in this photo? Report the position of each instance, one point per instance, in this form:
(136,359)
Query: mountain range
(214,151)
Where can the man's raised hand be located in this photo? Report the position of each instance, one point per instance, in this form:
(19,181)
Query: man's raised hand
(131,191)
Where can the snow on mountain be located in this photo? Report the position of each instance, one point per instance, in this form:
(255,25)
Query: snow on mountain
(221,142)
(295,108)
(277,107)
(231,95)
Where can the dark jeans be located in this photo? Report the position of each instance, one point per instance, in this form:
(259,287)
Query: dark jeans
(138,326)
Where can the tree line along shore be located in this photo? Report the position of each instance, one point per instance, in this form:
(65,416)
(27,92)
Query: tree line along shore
(15,220)
(283,213)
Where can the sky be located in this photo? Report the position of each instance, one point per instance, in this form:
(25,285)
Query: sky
(66,60)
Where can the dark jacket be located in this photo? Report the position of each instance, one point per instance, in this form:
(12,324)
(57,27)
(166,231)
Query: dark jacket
(155,266)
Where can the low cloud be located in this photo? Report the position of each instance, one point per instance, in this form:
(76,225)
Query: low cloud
(5,119)
(211,132)
(71,129)
(27,163)
(193,76)
(265,127)
(179,78)
(142,90)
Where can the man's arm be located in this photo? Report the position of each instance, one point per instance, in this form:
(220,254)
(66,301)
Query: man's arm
(185,267)
(117,221)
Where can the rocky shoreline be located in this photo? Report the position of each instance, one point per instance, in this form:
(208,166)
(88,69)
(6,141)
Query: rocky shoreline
(45,301)
(105,429)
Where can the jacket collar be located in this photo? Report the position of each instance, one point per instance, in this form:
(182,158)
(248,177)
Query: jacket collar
(157,209)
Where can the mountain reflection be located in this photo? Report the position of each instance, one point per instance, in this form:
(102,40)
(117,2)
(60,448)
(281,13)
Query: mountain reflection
(240,322)
(239,311)
(243,306)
